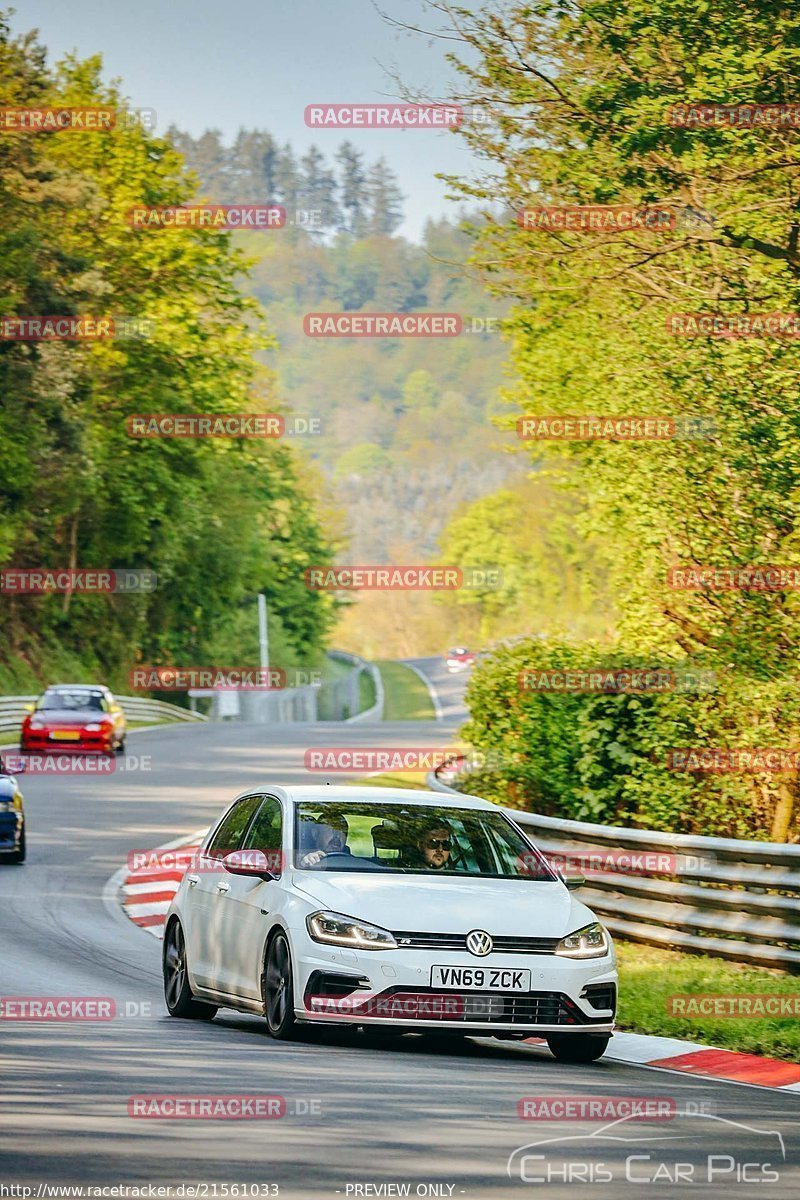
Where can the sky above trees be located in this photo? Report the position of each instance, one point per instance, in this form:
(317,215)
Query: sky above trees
(203,66)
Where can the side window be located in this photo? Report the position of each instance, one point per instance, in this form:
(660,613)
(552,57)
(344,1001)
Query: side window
(266,832)
(229,834)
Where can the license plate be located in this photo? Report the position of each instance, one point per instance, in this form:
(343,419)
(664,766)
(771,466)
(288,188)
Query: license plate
(481,979)
(66,735)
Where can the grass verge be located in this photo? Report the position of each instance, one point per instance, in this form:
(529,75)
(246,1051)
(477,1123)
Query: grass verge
(408,779)
(406,696)
(650,976)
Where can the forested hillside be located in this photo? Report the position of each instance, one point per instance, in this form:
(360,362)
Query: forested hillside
(405,438)
(217,521)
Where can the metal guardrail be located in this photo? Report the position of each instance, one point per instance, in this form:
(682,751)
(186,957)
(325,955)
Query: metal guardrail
(731,899)
(353,681)
(329,699)
(136,708)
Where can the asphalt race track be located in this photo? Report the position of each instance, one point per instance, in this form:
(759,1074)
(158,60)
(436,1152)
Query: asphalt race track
(433,1117)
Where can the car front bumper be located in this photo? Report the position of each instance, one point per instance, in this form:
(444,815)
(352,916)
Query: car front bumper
(393,987)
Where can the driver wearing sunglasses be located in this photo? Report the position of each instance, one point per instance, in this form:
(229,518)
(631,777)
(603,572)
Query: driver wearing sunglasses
(435,845)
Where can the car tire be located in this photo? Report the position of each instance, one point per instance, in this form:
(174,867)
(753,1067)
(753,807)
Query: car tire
(578,1047)
(121,746)
(278,989)
(178,996)
(18,856)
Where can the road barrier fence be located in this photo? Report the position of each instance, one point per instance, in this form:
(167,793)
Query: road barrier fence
(725,897)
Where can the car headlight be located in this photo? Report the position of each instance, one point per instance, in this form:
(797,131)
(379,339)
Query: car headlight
(95,727)
(589,942)
(337,930)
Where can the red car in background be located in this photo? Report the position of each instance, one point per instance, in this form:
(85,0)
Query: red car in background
(74,717)
(458,658)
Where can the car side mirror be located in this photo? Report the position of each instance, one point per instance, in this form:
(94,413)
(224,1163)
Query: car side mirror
(254,863)
(573,882)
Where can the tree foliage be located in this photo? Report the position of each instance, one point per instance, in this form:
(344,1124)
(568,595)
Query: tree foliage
(217,521)
(579,97)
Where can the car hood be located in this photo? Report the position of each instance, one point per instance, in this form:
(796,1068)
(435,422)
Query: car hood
(68,716)
(414,903)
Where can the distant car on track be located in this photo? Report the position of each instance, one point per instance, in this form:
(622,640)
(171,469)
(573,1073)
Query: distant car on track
(458,658)
(74,717)
(396,910)
(12,819)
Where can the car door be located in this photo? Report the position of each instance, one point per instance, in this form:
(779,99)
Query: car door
(207,883)
(239,920)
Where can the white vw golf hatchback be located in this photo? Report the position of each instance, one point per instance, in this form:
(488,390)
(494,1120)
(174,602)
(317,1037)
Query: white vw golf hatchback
(390,909)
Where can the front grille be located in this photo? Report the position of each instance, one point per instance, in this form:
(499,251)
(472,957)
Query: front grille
(458,941)
(406,1005)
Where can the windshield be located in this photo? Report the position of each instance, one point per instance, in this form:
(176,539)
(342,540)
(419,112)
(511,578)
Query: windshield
(76,700)
(413,839)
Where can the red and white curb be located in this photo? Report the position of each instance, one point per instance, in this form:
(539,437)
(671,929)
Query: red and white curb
(705,1062)
(148,890)
(147,894)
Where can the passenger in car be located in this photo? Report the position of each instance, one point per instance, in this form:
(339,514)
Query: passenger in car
(432,849)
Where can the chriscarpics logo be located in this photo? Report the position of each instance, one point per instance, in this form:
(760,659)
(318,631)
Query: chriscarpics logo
(692,1151)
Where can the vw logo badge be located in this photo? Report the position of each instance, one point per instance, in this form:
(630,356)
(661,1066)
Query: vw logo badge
(479,943)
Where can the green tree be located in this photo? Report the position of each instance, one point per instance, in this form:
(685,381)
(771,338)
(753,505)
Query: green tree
(384,198)
(217,521)
(579,98)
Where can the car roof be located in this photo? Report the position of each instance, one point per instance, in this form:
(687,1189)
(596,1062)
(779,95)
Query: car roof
(319,792)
